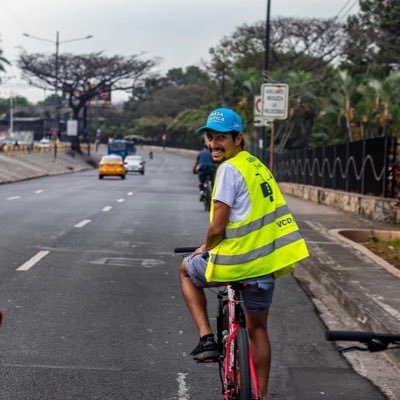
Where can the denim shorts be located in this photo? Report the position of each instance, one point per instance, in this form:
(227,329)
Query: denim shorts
(256,294)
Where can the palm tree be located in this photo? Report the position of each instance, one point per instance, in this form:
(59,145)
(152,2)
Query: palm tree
(3,61)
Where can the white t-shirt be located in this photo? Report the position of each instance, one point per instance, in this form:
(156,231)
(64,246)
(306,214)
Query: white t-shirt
(231,189)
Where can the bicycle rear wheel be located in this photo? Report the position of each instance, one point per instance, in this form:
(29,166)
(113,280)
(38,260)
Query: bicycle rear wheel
(242,366)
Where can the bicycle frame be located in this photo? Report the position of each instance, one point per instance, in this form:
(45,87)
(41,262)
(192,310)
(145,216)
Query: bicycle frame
(227,364)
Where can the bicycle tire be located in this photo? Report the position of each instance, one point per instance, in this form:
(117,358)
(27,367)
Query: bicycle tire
(207,195)
(242,366)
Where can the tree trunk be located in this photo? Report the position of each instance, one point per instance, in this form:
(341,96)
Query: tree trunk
(75,143)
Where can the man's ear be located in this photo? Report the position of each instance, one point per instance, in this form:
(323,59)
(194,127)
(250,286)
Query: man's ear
(238,140)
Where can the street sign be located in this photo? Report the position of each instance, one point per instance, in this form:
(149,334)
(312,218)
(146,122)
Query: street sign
(257,111)
(258,119)
(274,99)
(72,127)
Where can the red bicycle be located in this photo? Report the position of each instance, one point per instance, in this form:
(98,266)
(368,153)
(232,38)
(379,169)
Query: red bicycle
(237,372)
(236,367)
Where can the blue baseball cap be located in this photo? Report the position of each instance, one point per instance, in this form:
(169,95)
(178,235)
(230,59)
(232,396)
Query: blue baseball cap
(223,120)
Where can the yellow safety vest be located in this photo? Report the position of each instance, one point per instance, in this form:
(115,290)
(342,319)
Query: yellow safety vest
(267,241)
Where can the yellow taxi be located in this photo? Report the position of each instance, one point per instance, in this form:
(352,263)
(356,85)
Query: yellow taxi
(112,165)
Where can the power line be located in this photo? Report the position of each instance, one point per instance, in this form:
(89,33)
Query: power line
(337,15)
(355,2)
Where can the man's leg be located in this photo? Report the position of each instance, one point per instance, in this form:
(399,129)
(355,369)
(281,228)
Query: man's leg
(195,300)
(260,348)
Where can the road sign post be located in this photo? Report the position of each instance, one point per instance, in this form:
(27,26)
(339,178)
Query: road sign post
(274,100)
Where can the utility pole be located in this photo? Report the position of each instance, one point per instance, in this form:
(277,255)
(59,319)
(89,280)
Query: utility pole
(265,72)
(57,100)
(11,129)
(57,70)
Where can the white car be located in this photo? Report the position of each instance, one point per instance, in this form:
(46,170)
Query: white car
(134,164)
(44,142)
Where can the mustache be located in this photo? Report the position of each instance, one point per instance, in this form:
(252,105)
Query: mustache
(217,149)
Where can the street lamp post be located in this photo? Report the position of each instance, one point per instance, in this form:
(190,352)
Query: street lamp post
(56,71)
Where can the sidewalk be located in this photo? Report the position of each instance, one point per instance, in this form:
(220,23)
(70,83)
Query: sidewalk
(367,291)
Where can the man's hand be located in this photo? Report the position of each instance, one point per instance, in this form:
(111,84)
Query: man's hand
(200,250)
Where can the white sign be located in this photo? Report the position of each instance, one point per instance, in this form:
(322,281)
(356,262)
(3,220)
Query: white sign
(72,127)
(274,100)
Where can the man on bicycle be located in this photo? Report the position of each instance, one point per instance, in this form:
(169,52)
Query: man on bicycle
(204,167)
(252,238)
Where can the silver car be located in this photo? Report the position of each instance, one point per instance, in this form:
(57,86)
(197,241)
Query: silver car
(134,164)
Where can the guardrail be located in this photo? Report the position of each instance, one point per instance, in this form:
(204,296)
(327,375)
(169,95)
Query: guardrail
(35,148)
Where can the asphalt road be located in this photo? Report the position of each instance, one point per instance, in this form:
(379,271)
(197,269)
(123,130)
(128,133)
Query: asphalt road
(89,288)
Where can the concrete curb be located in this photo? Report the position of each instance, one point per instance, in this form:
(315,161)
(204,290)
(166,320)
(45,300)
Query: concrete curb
(380,261)
(369,318)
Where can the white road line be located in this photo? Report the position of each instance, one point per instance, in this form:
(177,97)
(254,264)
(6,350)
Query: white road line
(82,223)
(121,200)
(35,259)
(130,193)
(183,392)
(107,208)
(13,197)
(38,191)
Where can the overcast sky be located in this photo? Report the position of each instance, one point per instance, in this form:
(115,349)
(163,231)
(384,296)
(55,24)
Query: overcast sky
(179,31)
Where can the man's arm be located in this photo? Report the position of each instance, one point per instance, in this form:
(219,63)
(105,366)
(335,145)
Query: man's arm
(216,229)
(195,165)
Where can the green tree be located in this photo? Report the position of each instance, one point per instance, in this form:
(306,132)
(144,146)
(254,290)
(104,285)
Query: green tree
(374,34)
(83,77)
(307,43)
(3,62)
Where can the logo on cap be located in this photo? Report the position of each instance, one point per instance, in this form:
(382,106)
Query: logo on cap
(216,116)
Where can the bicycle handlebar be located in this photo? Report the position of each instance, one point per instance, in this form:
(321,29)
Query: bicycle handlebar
(185,249)
(362,337)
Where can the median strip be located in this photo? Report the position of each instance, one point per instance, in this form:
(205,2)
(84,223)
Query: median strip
(35,259)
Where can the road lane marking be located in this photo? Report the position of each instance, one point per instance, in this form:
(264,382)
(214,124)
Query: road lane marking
(39,191)
(82,223)
(130,193)
(35,259)
(183,392)
(66,367)
(107,208)
(129,262)
(121,200)
(13,197)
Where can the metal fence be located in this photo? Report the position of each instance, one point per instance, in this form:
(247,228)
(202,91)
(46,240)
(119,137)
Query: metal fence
(366,166)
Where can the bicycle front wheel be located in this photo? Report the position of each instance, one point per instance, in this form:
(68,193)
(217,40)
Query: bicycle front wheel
(207,195)
(242,366)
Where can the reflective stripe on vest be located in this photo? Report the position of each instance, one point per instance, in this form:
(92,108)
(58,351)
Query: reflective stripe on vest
(257,224)
(257,253)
